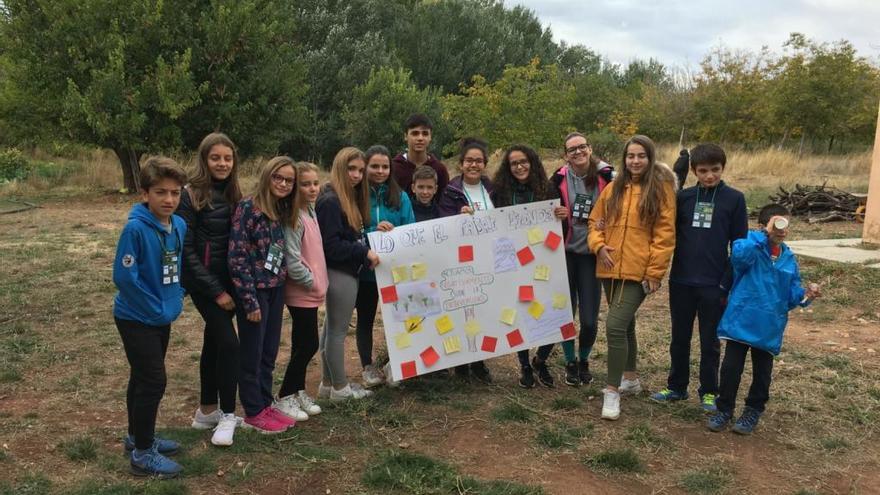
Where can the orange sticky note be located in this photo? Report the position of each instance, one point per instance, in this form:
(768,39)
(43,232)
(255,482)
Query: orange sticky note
(568,331)
(552,240)
(408,369)
(525,256)
(489,344)
(465,253)
(429,356)
(526,293)
(389,294)
(514,338)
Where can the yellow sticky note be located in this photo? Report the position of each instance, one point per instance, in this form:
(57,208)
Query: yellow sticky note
(508,316)
(419,270)
(452,345)
(542,272)
(536,235)
(402,340)
(400,274)
(472,327)
(536,309)
(559,301)
(444,324)
(414,324)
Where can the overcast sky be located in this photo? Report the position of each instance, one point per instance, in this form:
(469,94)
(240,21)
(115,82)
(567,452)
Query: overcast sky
(680,33)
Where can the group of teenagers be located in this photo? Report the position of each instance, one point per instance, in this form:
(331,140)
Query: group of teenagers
(298,243)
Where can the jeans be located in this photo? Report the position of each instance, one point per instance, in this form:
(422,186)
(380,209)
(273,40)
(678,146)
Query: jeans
(259,348)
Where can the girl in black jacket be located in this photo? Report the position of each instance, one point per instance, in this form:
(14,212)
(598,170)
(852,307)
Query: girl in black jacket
(207,208)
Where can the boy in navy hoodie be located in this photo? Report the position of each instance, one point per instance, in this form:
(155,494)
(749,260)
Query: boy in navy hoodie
(147,274)
(424,190)
(766,286)
(710,216)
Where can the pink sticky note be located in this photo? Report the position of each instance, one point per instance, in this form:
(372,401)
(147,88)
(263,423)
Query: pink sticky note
(525,256)
(389,294)
(552,240)
(429,356)
(568,331)
(489,344)
(408,369)
(526,293)
(465,253)
(514,339)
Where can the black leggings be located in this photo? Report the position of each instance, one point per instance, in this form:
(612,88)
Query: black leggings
(367,299)
(145,347)
(303,346)
(218,368)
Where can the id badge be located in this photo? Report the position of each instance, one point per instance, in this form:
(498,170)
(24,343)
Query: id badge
(274,259)
(583,204)
(703,215)
(170,269)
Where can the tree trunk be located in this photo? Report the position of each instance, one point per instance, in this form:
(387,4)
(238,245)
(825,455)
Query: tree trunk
(830,143)
(785,136)
(129,160)
(801,147)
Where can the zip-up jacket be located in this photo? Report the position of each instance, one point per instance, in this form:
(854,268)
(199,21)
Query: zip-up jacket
(344,247)
(604,175)
(252,235)
(137,269)
(206,246)
(454,197)
(640,251)
(380,211)
(763,293)
(425,212)
(307,279)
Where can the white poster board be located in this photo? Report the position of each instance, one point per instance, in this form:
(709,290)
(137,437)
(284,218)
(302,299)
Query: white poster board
(460,289)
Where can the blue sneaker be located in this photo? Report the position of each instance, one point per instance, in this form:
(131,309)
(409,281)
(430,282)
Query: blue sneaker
(708,403)
(719,420)
(163,446)
(151,463)
(746,423)
(668,395)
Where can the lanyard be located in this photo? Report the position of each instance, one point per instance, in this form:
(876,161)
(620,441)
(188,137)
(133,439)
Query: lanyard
(713,194)
(160,236)
(468,196)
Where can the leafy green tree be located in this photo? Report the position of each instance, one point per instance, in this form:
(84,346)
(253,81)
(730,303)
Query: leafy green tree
(531,104)
(379,107)
(146,76)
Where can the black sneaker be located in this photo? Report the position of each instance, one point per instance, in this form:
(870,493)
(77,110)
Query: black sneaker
(481,372)
(572,378)
(526,377)
(584,372)
(463,373)
(544,375)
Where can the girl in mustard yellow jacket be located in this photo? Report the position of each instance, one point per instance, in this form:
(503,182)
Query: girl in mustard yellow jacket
(632,232)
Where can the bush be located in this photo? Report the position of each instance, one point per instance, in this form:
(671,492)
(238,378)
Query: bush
(13,165)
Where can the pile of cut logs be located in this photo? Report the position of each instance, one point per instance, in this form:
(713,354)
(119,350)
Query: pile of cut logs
(818,203)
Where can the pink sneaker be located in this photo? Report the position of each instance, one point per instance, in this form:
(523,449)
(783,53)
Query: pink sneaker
(280,416)
(265,422)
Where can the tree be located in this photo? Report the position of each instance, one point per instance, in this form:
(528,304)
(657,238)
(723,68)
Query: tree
(146,76)
(532,104)
(379,107)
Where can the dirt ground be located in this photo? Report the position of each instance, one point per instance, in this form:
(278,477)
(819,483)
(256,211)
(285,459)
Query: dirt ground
(64,374)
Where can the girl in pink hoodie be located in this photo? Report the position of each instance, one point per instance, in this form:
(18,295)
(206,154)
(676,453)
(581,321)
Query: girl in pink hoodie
(304,292)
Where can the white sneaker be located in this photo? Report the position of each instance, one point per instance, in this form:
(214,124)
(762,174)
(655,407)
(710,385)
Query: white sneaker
(225,430)
(324,391)
(203,421)
(372,376)
(389,381)
(350,391)
(629,387)
(307,404)
(611,405)
(289,407)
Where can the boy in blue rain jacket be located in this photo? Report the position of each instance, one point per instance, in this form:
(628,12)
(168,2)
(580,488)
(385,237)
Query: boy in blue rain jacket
(766,286)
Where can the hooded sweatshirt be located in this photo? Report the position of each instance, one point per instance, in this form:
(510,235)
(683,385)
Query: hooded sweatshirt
(137,270)
(404,169)
(380,211)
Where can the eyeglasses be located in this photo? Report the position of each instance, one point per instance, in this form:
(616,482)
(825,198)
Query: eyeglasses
(473,161)
(582,148)
(282,180)
(524,163)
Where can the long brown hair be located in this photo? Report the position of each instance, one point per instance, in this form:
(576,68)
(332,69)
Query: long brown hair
(201,181)
(592,167)
(354,201)
(299,200)
(393,190)
(653,194)
(274,208)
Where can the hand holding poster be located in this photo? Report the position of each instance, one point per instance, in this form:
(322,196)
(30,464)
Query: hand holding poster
(460,289)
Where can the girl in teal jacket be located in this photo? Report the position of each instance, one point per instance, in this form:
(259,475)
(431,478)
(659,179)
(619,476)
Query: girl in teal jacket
(389,207)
